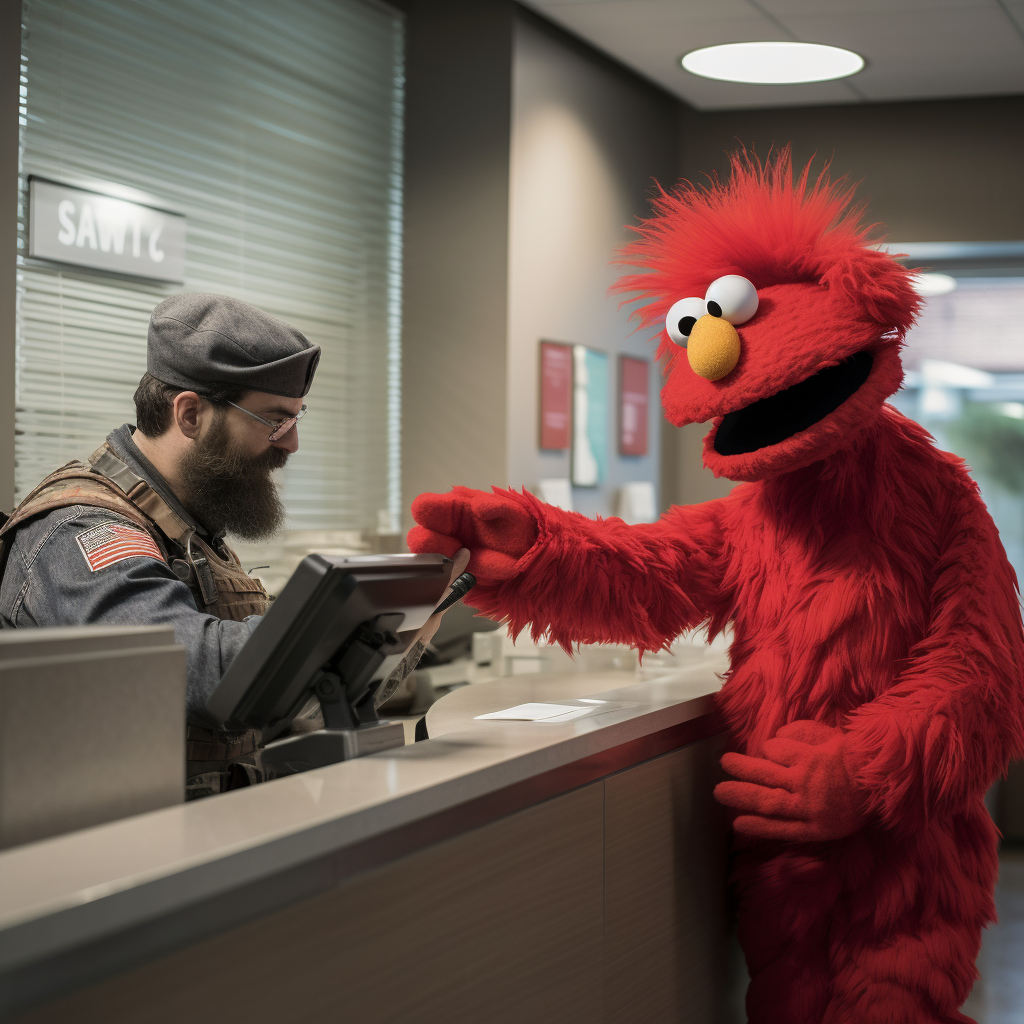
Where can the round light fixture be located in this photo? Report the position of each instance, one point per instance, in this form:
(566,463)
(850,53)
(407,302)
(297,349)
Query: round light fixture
(930,285)
(773,63)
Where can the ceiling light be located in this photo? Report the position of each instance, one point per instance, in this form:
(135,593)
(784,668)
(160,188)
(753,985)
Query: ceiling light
(930,285)
(773,63)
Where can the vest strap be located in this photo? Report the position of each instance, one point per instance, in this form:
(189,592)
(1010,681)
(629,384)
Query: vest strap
(106,463)
(215,761)
(141,495)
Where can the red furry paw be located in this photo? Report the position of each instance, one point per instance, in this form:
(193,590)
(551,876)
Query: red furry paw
(498,530)
(802,790)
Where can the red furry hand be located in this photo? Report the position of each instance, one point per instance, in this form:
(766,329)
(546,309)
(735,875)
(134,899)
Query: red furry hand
(802,790)
(497,530)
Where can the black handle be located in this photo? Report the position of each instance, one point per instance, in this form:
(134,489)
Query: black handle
(460,588)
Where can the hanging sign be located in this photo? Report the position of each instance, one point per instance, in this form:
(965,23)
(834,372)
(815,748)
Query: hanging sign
(555,396)
(88,229)
(633,391)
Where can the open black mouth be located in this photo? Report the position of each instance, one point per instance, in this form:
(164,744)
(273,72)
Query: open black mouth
(773,419)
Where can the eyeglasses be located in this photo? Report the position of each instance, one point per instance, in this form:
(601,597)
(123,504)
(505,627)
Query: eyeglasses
(281,427)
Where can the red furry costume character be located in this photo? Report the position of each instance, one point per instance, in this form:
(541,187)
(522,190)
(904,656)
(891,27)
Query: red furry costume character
(875,687)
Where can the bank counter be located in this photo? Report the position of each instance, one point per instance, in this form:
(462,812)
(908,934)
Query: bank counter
(505,871)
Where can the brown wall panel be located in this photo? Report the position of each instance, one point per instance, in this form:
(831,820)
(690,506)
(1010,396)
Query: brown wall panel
(503,924)
(665,914)
(605,904)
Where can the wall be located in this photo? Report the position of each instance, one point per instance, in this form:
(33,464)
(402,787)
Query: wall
(935,171)
(588,138)
(685,481)
(10,70)
(946,170)
(454,313)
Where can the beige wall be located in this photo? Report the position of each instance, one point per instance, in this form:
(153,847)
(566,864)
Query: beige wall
(685,481)
(935,171)
(454,313)
(588,139)
(526,154)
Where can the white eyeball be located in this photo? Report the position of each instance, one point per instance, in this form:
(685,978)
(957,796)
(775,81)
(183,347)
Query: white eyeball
(733,298)
(681,318)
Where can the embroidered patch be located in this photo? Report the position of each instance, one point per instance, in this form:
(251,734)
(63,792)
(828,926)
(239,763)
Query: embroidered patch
(108,543)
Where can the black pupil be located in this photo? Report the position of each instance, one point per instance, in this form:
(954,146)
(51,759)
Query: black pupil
(714,308)
(686,325)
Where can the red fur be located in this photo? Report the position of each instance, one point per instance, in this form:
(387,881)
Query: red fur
(823,296)
(870,601)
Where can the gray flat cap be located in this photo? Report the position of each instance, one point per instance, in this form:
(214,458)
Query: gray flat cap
(197,340)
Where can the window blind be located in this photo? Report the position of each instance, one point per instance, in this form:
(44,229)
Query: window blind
(275,126)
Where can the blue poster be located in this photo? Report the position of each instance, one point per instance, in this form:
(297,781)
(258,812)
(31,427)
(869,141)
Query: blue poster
(590,416)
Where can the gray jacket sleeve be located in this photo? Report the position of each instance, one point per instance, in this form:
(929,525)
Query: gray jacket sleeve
(49,581)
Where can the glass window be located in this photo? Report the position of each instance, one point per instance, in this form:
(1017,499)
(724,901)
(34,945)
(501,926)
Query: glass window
(276,128)
(965,383)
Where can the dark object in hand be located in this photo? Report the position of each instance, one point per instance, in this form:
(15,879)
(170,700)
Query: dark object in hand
(460,588)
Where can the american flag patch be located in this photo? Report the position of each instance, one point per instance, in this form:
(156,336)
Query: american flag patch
(108,543)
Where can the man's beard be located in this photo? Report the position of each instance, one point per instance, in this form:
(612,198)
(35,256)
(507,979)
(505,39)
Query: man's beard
(227,489)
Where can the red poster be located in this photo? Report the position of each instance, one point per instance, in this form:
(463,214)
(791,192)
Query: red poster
(555,395)
(633,388)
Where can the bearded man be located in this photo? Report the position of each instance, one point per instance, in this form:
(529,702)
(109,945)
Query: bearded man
(136,535)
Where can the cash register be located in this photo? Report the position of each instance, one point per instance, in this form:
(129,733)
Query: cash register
(338,629)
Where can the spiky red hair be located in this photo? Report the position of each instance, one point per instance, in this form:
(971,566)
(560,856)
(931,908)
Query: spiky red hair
(772,230)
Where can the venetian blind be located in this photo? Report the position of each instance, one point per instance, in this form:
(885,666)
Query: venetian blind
(275,127)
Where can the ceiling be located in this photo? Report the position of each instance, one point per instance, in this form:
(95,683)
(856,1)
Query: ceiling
(915,49)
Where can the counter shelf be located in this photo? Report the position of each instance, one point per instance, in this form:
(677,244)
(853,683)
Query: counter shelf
(92,921)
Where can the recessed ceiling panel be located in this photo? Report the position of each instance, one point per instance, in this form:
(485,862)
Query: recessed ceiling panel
(915,49)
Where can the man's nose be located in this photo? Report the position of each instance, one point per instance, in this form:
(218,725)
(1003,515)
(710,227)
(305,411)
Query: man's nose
(290,441)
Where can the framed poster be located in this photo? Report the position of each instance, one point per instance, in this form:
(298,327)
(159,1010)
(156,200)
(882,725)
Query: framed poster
(590,420)
(633,392)
(555,396)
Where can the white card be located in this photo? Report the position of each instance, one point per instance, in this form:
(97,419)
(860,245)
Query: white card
(535,712)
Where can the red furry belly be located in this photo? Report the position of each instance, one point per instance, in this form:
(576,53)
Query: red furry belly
(775,680)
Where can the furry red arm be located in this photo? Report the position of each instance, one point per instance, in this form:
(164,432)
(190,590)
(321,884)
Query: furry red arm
(955,715)
(584,580)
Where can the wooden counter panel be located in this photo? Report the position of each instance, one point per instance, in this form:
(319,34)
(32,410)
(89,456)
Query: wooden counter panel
(502,925)
(665,914)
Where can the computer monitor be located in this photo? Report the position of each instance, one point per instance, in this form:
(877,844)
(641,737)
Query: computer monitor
(338,629)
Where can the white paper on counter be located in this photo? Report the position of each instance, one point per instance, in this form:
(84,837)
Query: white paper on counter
(536,712)
(555,712)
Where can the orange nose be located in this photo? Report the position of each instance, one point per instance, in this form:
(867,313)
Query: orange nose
(713,347)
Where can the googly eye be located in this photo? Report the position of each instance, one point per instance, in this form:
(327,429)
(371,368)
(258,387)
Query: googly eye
(733,298)
(681,318)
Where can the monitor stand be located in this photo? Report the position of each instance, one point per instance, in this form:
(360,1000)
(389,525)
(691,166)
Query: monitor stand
(348,733)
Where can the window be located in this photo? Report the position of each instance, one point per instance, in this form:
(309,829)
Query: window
(276,128)
(965,384)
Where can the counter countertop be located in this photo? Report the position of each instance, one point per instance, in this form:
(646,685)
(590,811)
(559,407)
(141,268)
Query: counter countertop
(69,890)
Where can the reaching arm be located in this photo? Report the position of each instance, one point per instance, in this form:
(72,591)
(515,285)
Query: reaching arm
(580,580)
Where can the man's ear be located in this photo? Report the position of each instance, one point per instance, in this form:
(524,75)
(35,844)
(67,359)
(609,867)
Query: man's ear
(187,408)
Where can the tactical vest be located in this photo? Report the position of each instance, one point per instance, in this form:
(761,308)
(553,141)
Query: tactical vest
(216,760)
